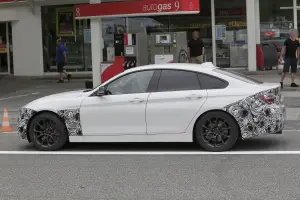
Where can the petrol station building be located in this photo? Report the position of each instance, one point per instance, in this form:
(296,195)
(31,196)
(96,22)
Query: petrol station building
(230,30)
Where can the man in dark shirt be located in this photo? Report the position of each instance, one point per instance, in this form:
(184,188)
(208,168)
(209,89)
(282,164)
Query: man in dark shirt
(291,49)
(61,60)
(196,49)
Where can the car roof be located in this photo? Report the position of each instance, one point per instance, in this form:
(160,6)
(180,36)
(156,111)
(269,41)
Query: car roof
(205,67)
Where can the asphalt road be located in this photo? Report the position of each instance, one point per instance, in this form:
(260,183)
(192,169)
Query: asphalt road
(174,177)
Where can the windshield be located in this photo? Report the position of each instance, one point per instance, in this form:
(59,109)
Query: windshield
(238,76)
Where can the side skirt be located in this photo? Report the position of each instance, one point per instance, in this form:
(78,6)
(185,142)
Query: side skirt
(135,138)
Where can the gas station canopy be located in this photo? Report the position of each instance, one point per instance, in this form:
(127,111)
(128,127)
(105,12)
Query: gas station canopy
(137,8)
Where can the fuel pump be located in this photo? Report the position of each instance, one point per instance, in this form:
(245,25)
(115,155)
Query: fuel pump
(133,47)
(130,50)
(168,47)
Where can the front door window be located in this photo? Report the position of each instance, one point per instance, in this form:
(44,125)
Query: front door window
(132,83)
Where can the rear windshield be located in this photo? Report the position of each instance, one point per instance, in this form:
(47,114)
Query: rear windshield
(238,76)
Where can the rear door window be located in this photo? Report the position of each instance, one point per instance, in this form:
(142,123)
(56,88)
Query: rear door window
(177,80)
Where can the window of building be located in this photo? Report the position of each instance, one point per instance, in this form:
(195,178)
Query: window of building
(199,22)
(111,26)
(231,34)
(59,22)
(6,51)
(276,19)
(177,80)
(3,49)
(147,25)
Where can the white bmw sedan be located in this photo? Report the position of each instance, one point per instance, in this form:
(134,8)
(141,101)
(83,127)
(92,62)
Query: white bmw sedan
(204,104)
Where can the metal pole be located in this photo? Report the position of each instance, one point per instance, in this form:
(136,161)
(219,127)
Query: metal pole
(257,22)
(250,6)
(213,31)
(8,46)
(295,14)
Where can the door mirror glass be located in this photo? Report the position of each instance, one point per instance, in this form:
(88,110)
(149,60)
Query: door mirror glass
(101,91)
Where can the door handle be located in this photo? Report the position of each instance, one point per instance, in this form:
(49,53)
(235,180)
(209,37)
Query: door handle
(194,96)
(136,100)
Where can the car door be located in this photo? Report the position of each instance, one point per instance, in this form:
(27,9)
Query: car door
(120,112)
(177,100)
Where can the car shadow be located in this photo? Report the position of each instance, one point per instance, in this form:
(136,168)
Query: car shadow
(254,144)
(241,145)
(259,144)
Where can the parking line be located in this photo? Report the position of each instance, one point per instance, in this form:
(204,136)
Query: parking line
(14,132)
(18,96)
(148,153)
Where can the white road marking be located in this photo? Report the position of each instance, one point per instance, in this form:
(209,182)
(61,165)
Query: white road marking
(18,96)
(14,132)
(148,153)
(290,130)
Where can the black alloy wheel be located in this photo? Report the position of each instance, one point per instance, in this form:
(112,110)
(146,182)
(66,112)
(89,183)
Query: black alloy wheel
(47,132)
(216,131)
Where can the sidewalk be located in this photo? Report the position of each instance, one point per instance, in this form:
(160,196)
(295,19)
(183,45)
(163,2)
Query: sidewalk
(12,84)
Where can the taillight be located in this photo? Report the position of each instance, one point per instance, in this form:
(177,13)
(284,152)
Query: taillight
(267,99)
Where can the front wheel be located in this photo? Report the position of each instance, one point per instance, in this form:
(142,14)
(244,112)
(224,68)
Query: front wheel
(216,131)
(47,132)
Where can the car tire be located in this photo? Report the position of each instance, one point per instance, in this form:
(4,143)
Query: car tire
(216,131)
(47,128)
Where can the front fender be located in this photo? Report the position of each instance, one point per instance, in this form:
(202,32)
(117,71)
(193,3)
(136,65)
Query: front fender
(70,117)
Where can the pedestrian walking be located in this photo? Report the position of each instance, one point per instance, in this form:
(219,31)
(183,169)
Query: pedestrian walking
(61,61)
(291,52)
(196,49)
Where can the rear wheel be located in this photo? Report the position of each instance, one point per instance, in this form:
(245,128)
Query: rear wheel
(216,131)
(47,132)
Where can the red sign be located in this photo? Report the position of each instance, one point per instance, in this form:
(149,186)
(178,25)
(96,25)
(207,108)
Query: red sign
(137,8)
(3,48)
(230,12)
(269,34)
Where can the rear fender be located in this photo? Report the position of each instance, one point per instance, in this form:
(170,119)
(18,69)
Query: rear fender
(257,117)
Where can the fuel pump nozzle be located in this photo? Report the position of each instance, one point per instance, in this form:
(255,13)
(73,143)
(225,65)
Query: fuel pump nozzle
(183,56)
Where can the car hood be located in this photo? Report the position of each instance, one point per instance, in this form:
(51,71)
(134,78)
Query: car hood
(54,102)
(63,95)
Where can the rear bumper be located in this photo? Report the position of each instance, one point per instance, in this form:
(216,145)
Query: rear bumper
(277,133)
(283,110)
(256,117)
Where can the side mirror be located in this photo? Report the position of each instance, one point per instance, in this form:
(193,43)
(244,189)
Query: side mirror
(101,92)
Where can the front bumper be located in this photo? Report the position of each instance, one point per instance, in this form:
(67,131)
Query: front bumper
(25,115)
